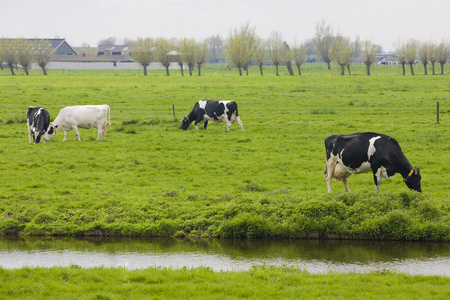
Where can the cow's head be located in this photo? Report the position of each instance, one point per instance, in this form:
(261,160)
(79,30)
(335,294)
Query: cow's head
(185,123)
(51,131)
(413,180)
(37,136)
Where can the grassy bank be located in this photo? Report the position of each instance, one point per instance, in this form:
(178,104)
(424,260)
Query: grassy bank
(282,214)
(150,178)
(201,283)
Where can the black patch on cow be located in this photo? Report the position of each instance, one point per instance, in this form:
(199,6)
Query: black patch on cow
(214,109)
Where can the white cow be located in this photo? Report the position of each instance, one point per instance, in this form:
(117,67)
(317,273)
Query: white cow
(82,116)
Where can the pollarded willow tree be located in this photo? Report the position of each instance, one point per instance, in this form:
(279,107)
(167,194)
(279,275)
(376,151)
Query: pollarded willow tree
(432,54)
(188,51)
(323,41)
(411,53)
(424,55)
(25,54)
(162,52)
(42,53)
(369,54)
(275,48)
(341,53)
(443,54)
(400,54)
(201,55)
(9,53)
(299,54)
(241,47)
(260,56)
(143,52)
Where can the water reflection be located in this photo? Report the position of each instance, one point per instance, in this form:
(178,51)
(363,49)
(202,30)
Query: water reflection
(317,256)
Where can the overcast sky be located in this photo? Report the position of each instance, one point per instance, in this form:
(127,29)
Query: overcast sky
(385,22)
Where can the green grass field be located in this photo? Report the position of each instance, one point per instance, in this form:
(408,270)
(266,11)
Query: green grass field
(150,177)
(260,282)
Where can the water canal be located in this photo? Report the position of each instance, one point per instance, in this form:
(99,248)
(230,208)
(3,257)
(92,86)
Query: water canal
(316,256)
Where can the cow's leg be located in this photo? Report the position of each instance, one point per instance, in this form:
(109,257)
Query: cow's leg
(104,132)
(377,182)
(65,135)
(75,129)
(101,131)
(206,124)
(228,124)
(29,132)
(331,164)
(345,182)
(238,120)
(378,177)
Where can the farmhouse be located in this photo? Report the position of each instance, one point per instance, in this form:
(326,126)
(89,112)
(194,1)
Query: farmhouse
(60,46)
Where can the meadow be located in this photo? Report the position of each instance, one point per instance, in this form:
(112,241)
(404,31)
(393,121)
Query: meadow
(203,283)
(148,177)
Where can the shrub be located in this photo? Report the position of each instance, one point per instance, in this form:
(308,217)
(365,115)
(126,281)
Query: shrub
(245,225)
(396,224)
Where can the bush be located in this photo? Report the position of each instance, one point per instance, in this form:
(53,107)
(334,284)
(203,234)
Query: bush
(245,225)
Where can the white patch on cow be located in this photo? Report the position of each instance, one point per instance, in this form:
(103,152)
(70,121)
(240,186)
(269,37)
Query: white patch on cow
(382,174)
(202,104)
(371,150)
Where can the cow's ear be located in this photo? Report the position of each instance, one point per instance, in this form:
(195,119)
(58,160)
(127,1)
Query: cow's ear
(56,126)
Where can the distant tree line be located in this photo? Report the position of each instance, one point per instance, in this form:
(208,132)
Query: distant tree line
(23,52)
(243,48)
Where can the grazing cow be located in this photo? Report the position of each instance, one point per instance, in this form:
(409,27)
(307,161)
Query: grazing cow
(363,152)
(38,120)
(83,116)
(217,111)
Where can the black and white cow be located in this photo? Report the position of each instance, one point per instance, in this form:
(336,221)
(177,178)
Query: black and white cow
(38,120)
(212,110)
(81,116)
(364,152)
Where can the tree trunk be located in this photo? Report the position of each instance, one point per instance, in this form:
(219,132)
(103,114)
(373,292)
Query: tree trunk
(261,69)
(368,69)
(145,70)
(26,71)
(403,67)
(181,66)
(11,67)
(246,70)
(328,64)
(349,73)
(432,66)
(425,68)
(44,70)
(191,67)
(289,67)
(276,67)
(412,69)
(299,71)
(167,71)
(342,70)
(442,68)
(199,69)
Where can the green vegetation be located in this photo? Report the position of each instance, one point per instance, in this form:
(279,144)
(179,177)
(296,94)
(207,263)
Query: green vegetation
(150,178)
(203,283)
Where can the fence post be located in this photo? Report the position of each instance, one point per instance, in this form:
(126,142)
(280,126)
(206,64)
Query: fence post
(437,112)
